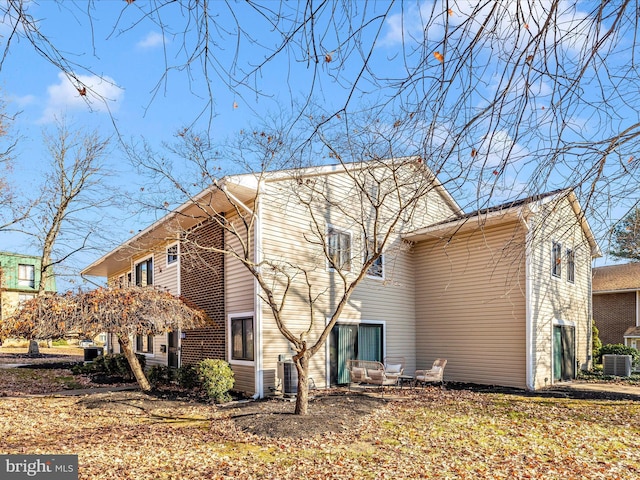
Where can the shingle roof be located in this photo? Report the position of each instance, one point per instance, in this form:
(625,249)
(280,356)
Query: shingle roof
(617,277)
(515,203)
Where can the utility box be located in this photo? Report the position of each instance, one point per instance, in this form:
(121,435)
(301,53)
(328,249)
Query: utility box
(617,365)
(288,376)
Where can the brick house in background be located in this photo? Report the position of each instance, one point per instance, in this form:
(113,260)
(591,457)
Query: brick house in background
(19,280)
(616,303)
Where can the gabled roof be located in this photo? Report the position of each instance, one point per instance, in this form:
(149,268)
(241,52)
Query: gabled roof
(507,212)
(243,188)
(610,278)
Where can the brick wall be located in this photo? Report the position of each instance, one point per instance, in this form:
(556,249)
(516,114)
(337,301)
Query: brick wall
(202,282)
(613,314)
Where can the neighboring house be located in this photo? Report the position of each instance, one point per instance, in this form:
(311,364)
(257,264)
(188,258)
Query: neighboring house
(19,280)
(616,303)
(506,299)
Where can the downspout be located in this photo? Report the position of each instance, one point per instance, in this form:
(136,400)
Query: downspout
(178,292)
(257,305)
(529,357)
(257,315)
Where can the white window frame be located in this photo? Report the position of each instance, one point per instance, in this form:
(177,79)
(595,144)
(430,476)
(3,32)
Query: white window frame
(350,321)
(177,255)
(24,281)
(341,231)
(153,273)
(231,360)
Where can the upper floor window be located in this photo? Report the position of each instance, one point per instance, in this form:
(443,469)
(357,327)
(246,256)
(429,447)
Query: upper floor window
(571,266)
(376,269)
(144,273)
(556,259)
(339,249)
(172,254)
(26,276)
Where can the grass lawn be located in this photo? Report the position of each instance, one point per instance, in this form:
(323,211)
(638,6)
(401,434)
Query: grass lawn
(427,434)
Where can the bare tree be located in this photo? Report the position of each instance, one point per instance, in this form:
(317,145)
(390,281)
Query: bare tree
(73,198)
(372,192)
(511,97)
(13,210)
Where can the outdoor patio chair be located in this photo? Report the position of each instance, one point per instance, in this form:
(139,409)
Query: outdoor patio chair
(394,367)
(434,375)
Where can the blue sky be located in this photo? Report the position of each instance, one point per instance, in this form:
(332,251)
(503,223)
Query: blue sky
(131,54)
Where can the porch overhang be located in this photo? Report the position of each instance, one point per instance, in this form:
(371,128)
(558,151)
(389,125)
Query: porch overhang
(212,201)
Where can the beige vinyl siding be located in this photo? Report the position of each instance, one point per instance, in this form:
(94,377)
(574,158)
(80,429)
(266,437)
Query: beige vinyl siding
(165,276)
(287,236)
(239,299)
(470,305)
(555,298)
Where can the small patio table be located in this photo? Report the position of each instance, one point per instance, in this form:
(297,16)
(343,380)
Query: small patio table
(402,379)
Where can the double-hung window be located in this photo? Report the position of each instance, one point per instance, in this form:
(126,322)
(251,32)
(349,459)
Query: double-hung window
(172,254)
(26,276)
(144,273)
(571,266)
(339,249)
(376,270)
(242,338)
(556,259)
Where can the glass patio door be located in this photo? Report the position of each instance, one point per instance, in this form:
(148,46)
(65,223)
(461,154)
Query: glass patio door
(349,342)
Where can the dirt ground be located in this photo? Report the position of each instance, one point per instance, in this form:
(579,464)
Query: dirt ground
(334,410)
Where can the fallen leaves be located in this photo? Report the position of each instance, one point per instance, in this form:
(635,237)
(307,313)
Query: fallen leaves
(428,433)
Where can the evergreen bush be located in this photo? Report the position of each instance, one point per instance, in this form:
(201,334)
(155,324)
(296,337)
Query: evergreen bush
(217,379)
(188,377)
(618,349)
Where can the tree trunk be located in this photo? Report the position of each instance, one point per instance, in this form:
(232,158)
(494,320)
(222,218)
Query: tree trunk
(34,348)
(302,397)
(135,364)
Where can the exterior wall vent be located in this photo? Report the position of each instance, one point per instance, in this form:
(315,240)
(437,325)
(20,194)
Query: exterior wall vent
(618,365)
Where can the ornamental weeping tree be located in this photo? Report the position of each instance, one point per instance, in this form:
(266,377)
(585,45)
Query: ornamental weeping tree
(124,312)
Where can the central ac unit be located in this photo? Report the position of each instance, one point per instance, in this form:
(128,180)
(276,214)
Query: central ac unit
(288,376)
(618,365)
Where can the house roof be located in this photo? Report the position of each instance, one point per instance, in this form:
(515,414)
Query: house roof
(241,188)
(507,212)
(632,332)
(611,278)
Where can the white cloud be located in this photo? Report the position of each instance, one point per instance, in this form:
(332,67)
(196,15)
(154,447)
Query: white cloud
(570,27)
(102,95)
(151,40)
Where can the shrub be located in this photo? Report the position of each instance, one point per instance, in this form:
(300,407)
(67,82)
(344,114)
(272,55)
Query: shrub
(112,365)
(188,376)
(618,349)
(596,343)
(159,375)
(217,379)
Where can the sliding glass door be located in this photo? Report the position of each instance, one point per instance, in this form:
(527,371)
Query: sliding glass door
(353,341)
